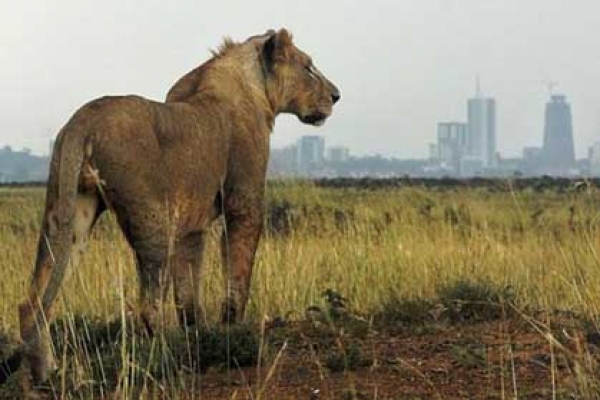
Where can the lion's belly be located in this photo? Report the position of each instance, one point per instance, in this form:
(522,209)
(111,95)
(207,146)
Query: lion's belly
(159,198)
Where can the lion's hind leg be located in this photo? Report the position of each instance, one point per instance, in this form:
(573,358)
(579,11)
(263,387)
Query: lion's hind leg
(154,282)
(186,264)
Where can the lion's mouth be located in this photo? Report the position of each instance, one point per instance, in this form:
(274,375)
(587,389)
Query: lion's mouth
(316,119)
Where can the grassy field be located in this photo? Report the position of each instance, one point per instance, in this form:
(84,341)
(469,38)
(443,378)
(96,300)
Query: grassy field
(508,269)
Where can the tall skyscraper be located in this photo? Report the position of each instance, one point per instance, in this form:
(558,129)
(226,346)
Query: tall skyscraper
(338,154)
(453,143)
(559,151)
(482,129)
(311,152)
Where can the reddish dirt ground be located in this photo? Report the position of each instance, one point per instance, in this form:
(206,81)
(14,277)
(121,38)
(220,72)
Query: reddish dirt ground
(490,360)
(500,360)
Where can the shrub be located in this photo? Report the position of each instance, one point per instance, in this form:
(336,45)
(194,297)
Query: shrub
(351,359)
(469,301)
(405,312)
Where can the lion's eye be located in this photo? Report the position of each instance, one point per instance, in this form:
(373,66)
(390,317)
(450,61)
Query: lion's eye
(312,71)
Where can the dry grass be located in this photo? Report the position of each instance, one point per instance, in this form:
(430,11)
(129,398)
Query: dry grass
(372,246)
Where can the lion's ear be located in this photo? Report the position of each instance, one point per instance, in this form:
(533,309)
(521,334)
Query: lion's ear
(276,47)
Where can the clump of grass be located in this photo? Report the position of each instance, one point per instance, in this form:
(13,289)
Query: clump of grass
(469,355)
(353,394)
(102,355)
(7,346)
(335,315)
(282,217)
(350,359)
(475,301)
(10,361)
(78,331)
(405,312)
(463,301)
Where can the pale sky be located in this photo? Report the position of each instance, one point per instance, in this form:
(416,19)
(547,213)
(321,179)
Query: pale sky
(401,65)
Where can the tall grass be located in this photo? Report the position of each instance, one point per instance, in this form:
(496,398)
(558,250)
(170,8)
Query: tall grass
(369,245)
(404,242)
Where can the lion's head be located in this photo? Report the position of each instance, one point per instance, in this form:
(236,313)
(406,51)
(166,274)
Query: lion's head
(293,84)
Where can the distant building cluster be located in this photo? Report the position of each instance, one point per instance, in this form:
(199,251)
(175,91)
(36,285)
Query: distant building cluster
(469,148)
(307,157)
(463,149)
(310,157)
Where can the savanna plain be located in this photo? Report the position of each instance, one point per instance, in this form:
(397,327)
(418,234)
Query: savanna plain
(361,290)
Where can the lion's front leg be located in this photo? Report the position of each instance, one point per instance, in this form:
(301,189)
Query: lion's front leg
(244,223)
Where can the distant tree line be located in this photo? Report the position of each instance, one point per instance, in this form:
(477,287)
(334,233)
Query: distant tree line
(536,184)
(22,166)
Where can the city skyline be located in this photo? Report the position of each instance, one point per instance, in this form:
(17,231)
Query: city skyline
(477,102)
(469,148)
(426,150)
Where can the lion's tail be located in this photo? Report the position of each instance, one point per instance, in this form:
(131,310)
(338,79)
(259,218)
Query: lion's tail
(64,178)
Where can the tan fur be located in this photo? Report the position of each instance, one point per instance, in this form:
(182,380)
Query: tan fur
(167,170)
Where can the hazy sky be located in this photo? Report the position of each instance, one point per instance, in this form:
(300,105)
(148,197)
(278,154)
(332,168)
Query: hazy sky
(402,65)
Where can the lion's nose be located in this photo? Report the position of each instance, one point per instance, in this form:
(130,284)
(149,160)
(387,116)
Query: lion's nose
(335,97)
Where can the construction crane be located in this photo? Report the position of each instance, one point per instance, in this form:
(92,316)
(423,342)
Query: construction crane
(551,85)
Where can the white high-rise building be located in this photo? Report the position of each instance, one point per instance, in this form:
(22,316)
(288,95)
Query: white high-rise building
(559,151)
(337,154)
(453,143)
(482,129)
(311,152)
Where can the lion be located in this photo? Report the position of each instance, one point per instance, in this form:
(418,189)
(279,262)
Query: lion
(167,170)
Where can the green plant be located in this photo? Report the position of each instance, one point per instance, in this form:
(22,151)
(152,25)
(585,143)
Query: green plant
(475,301)
(350,359)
